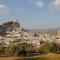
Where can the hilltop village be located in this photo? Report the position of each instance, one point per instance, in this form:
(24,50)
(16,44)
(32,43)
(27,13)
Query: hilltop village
(11,33)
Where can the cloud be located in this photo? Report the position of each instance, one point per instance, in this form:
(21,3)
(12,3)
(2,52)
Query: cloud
(4,9)
(38,3)
(55,5)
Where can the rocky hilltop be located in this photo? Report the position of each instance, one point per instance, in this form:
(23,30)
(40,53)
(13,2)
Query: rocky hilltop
(8,26)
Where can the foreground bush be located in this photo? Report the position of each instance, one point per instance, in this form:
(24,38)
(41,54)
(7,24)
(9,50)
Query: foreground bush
(26,49)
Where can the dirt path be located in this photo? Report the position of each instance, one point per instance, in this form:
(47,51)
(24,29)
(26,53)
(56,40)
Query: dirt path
(10,58)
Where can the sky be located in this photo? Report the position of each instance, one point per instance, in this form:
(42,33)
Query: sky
(31,14)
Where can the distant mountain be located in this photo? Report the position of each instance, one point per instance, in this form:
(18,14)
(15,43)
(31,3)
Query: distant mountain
(43,30)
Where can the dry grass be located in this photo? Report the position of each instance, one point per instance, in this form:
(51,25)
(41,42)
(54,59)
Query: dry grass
(45,56)
(10,58)
(51,55)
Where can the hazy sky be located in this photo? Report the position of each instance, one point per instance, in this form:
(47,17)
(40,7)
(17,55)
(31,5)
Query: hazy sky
(36,14)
